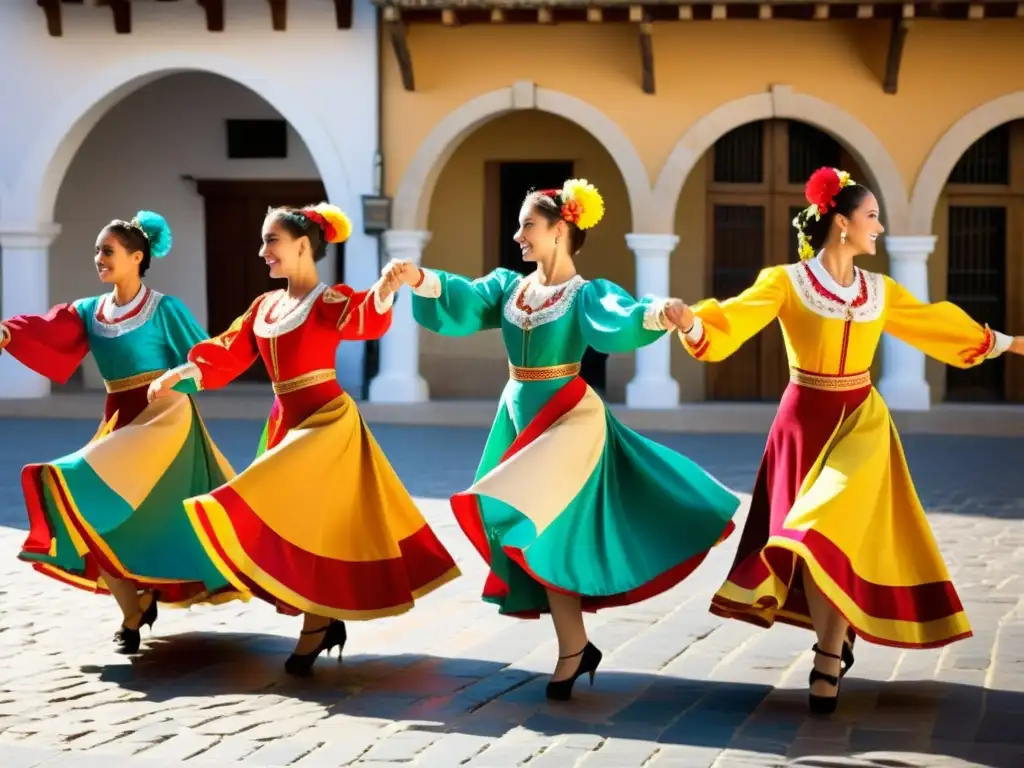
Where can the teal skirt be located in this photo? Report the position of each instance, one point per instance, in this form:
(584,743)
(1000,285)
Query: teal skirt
(566,498)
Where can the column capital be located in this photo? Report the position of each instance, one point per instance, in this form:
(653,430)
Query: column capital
(648,245)
(406,243)
(910,247)
(22,236)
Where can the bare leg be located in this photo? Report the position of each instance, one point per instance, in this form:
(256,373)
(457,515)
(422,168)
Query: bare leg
(128,599)
(567,615)
(830,627)
(313,628)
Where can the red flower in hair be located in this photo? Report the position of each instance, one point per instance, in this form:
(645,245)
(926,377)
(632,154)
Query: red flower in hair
(822,188)
(572,211)
(325,226)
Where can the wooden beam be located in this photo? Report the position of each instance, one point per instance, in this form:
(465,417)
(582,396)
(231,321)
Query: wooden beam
(122,11)
(395,29)
(51,8)
(897,36)
(279,14)
(343,13)
(214,14)
(647,56)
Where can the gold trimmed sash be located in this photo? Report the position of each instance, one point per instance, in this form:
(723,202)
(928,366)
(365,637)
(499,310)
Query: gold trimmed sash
(310,379)
(132,382)
(830,383)
(545,373)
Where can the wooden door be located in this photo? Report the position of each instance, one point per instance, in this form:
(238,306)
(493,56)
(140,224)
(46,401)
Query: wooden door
(235,274)
(985,269)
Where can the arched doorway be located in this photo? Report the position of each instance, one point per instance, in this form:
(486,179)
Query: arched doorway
(980,217)
(755,176)
(211,156)
(473,214)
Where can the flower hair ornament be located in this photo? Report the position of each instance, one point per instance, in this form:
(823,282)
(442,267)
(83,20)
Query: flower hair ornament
(820,191)
(156,230)
(580,202)
(336,226)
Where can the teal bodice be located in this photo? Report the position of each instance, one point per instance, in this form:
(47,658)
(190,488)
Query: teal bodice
(157,338)
(580,314)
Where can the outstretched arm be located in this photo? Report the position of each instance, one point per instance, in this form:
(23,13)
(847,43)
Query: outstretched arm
(718,329)
(614,322)
(942,330)
(53,345)
(358,315)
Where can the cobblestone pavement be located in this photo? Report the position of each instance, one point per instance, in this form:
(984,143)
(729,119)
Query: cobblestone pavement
(451,683)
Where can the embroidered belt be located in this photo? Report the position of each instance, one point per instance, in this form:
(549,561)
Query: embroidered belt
(310,379)
(830,383)
(132,382)
(545,373)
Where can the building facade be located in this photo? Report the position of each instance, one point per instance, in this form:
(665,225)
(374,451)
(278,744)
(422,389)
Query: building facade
(206,112)
(699,123)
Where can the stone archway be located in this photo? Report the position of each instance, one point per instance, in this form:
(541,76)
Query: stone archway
(947,151)
(781,102)
(412,200)
(47,160)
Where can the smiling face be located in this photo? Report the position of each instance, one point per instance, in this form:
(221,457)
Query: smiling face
(114,262)
(537,233)
(281,251)
(862,225)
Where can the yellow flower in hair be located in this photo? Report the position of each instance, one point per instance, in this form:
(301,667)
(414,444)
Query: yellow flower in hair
(584,201)
(339,227)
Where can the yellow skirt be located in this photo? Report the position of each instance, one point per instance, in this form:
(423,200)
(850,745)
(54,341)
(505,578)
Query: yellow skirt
(320,523)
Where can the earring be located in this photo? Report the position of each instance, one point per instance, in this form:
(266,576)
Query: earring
(556,241)
(842,237)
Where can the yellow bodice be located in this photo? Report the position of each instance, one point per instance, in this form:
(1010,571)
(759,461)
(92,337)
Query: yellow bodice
(825,334)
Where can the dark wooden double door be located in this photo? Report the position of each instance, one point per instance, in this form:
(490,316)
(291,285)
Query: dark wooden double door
(235,273)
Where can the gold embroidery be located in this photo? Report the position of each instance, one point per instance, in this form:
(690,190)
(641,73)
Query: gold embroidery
(310,379)
(332,296)
(830,383)
(545,373)
(132,382)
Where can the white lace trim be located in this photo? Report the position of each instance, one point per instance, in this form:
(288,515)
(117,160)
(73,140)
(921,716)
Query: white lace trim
(535,296)
(845,292)
(823,306)
(289,322)
(1001,344)
(113,330)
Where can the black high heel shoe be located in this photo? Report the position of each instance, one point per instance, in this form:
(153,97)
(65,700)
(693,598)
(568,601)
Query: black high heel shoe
(847,659)
(334,635)
(590,658)
(824,705)
(128,640)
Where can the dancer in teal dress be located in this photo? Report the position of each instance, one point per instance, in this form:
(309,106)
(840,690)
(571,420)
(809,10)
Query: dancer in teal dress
(109,517)
(572,510)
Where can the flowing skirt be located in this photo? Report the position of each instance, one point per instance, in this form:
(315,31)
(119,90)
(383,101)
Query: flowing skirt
(834,491)
(320,523)
(567,498)
(115,504)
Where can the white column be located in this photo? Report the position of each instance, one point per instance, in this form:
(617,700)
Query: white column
(653,385)
(903,383)
(399,380)
(25,281)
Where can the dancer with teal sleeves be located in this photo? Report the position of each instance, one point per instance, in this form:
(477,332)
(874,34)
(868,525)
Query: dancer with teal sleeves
(572,510)
(109,517)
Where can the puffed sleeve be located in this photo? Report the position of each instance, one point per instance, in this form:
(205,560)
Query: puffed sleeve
(53,345)
(613,322)
(358,315)
(453,305)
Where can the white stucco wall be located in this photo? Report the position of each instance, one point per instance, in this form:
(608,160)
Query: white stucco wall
(70,102)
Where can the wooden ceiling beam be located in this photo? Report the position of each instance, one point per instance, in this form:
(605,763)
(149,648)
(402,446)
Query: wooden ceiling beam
(122,12)
(51,9)
(279,14)
(343,13)
(214,14)
(638,15)
(396,32)
(897,37)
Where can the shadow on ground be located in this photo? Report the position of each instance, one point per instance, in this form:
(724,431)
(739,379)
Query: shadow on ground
(487,698)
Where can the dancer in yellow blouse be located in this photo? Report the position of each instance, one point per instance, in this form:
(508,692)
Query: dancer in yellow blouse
(836,539)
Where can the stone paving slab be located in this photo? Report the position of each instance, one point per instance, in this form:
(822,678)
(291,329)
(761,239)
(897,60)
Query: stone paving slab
(453,684)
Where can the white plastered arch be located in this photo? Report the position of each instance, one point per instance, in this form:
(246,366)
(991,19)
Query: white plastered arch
(781,102)
(951,147)
(47,159)
(412,200)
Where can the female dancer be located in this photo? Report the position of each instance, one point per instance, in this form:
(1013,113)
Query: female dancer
(836,540)
(319,523)
(571,509)
(108,518)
